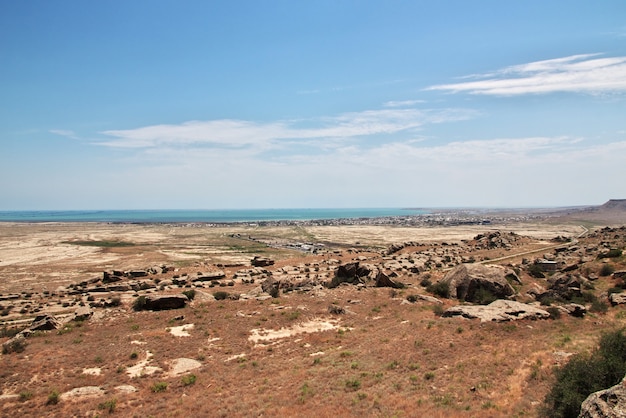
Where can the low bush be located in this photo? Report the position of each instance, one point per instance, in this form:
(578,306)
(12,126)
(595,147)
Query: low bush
(108,406)
(606,270)
(585,374)
(440,289)
(159,387)
(139,304)
(53,398)
(189,379)
(191,293)
(220,295)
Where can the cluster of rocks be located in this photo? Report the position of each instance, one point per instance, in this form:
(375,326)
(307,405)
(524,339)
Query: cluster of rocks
(495,239)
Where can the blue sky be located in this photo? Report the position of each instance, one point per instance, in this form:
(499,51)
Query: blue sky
(265,104)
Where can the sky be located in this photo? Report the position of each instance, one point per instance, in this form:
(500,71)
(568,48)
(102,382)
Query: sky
(305,104)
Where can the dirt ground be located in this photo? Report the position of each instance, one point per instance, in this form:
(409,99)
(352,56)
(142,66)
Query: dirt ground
(288,356)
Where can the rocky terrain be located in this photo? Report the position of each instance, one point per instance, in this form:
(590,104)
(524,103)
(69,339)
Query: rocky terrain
(300,320)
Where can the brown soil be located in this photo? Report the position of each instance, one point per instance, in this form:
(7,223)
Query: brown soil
(286,356)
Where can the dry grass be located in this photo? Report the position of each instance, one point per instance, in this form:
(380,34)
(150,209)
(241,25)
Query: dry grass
(387,357)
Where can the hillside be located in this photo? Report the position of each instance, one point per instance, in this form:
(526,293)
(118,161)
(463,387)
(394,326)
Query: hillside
(306,348)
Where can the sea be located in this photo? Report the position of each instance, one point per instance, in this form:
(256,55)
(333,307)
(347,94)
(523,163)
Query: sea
(209,215)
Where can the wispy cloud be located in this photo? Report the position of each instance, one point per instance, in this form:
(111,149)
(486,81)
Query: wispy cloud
(577,73)
(403,103)
(228,133)
(64,132)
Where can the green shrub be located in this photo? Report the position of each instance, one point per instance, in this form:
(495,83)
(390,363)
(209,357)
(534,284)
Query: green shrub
(613,253)
(159,387)
(220,295)
(189,379)
(191,293)
(14,345)
(25,395)
(606,270)
(412,298)
(53,398)
(108,406)
(555,313)
(139,304)
(585,374)
(440,289)
(483,296)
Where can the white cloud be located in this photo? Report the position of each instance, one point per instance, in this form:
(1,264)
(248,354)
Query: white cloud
(403,103)
(64,132)
(576,73)
(240,133)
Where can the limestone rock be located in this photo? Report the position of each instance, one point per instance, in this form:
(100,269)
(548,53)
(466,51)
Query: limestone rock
(259,261)
(498,311)
(44,323)
(159,303)
(382,280)
(605,403)
(468,281)
(617,298)
(83,313)
(352,273)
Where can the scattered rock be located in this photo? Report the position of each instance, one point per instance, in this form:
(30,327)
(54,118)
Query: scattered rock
(336,310)
(259,261)
(498,311)
(83,313)
(605,403)
(44,323)
(382,280)
(617,298)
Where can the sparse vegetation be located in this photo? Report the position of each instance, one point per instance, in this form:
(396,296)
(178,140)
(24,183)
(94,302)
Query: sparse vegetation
(585,374)
(108,406)
(53,398)
(440,289)
(188,379)
(159,387)
(220,295)
(191,294)
(140,303)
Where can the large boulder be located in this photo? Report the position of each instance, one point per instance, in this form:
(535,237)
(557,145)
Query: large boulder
(383,280)
(159,303)
(605,403)
(475,282)
(44,323)
(352,273)
(566,286)
(498,311)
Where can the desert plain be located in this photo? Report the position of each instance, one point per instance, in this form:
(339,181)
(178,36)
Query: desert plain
(275,322)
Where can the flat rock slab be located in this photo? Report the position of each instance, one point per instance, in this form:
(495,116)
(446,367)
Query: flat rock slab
(83,392)
(183,365)
(498,311)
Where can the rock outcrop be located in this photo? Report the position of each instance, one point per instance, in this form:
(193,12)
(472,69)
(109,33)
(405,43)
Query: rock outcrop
(498,311)
(159,303)
(471,282)
(606,403)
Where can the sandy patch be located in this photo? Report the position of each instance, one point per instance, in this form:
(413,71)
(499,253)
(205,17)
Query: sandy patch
(126,389)
(236,356)
(315,325)
(183,365)
(93,371)
(143,368)
(182,330)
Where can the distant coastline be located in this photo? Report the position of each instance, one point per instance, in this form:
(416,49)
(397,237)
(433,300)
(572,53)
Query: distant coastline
(205,216)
